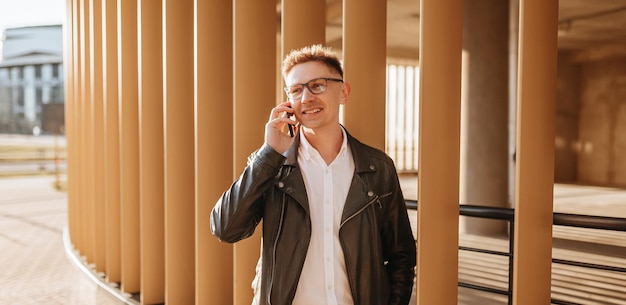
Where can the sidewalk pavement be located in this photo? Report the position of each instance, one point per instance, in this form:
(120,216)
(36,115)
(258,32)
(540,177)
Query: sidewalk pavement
(34,267)
(568,198)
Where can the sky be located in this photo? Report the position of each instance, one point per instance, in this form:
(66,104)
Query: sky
(31,12)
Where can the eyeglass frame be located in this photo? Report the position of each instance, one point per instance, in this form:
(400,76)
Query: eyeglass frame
(306,85)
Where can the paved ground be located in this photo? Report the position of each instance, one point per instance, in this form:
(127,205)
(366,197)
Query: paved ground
(34,267)
(568,198)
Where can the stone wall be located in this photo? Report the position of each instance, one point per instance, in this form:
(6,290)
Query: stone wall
(602,124)
(567,117)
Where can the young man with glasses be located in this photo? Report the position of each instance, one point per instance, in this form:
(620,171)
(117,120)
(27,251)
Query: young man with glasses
(335,226)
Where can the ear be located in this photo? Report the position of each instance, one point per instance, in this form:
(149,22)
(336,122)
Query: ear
(345,93)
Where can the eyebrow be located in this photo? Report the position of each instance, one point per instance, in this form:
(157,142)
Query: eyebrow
(316,78)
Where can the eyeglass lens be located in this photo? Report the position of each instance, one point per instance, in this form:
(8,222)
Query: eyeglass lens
(315,86)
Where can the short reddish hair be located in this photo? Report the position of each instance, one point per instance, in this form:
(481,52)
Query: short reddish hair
(315,52)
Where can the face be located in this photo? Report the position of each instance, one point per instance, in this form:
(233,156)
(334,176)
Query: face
(317,111)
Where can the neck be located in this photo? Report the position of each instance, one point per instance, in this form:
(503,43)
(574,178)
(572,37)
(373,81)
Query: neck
(327,142)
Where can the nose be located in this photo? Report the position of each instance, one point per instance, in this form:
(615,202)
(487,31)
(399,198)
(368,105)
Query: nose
(307,95)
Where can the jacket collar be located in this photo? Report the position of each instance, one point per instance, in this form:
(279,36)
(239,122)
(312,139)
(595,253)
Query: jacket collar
(362,161)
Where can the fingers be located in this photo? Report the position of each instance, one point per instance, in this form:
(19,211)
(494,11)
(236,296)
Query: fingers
(284,107)
(276,135)
(280,115)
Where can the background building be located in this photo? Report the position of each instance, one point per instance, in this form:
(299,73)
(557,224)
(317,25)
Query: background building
(31,80)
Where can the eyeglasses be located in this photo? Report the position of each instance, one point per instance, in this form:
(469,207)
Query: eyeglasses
(315,86)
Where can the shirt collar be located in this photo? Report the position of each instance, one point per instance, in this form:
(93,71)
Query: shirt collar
(307,149)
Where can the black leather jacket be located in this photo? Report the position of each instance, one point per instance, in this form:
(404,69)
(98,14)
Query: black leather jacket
(375,233)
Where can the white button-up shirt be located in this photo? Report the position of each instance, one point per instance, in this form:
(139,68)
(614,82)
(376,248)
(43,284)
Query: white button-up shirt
(324,279)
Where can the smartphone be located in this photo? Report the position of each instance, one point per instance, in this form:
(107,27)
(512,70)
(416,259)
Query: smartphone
(290,126)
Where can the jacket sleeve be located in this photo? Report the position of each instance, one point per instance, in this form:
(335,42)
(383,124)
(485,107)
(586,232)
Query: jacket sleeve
(240,208)
(399,248)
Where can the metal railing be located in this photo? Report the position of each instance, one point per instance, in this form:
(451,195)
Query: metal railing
(588,222)
(560,219)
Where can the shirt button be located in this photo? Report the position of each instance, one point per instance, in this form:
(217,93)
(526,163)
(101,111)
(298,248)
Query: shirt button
(372,167)
(370,193)
(281,184)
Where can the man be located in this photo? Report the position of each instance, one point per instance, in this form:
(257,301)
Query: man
(335,226)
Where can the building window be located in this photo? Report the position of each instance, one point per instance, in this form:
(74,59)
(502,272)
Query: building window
(38,97)
(17,75)
(38,72)
(56,96)
(19,92)
(55,71)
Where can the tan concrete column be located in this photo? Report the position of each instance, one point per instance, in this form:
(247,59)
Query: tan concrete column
(71,57)
(302,23)
(70,117)
(151,184)
(254,83)
(79,146)
(297,18)
(484,117)
(364,60)
(214,145)
(179,151)
(512,98)
(439,122)
(88,217)
(129,143)
(95,18)
(513,50)
(68,97)
(535,151)
(77,114)
(112,178)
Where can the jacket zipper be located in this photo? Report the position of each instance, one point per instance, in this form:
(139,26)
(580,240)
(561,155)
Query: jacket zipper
(350,280)
(360,210)
(280,226)
(376,198)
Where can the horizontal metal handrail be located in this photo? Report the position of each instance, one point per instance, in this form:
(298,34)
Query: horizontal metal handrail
(23,159)
(501,253)
(560,219)
(475,211)
(590,222)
